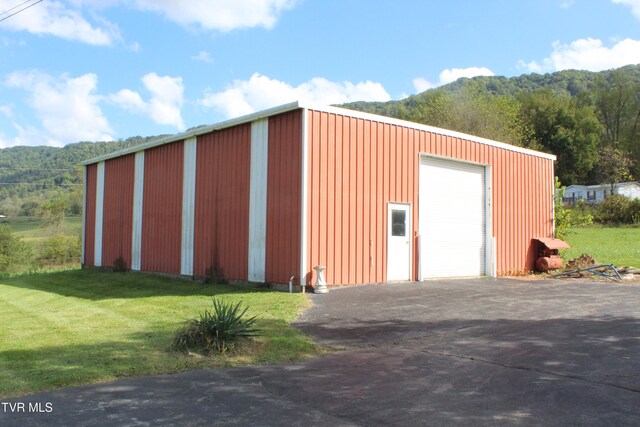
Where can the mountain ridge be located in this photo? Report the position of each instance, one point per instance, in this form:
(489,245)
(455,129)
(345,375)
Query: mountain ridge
(509,109)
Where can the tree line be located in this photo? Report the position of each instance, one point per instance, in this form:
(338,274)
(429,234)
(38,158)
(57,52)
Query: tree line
(590,121)
(48,181)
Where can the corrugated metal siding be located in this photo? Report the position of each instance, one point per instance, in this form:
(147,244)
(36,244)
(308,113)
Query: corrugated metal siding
(522,197)
(90,213)
(222,203)
(118,210)
(357,166)
(162,209)
(283,202)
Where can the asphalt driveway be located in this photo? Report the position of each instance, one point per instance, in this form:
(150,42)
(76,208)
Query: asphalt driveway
(455,352)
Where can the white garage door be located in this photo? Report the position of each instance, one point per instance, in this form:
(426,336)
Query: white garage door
(452,221)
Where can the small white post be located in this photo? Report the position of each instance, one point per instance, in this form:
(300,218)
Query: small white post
(320,287)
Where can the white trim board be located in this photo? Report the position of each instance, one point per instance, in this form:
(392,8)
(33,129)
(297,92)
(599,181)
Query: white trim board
(97,248)
(258,200)
(136,227)
(304,197)
(84,218)
(188,206)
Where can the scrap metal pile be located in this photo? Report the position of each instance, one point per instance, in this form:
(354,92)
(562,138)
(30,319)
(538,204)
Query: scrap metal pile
(585,265)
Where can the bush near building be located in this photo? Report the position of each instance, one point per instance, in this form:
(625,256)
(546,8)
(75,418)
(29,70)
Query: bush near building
(617,209)
(15,255)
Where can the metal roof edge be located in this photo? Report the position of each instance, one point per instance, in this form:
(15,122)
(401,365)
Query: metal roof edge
(316,107)
(197,131)
(427,128)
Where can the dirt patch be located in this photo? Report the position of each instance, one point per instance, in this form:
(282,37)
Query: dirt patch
(583,261)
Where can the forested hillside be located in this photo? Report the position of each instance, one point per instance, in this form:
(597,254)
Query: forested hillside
(34,179)
(591,121)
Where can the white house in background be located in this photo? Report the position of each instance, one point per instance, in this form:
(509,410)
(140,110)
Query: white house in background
(597,193)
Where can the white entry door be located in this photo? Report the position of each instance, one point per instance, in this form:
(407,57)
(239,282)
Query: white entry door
(399,242)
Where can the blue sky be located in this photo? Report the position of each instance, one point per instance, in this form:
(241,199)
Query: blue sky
(108,69)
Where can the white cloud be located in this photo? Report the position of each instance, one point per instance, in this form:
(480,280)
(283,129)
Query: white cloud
(7,111)
(129,100)
(203,56)
(52,17)
(450,75)
(222,15)
(567,4)
(587,54)
(66,19)
(29,137)
(260,92)
(421,84)
(6,42)
(6,143)
(633,4)
(164,106)
(532,67)
(66,106)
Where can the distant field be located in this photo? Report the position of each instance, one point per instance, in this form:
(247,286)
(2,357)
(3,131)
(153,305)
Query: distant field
(33,230)
(607,245)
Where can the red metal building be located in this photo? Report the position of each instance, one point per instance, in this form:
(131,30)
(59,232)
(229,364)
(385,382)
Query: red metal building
(270,195)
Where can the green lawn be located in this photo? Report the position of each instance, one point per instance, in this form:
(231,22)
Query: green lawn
(607,245)
(84,326)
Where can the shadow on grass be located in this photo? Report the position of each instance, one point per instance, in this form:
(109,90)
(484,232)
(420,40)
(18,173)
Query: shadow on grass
(140,353)
(93,284)
(457,371)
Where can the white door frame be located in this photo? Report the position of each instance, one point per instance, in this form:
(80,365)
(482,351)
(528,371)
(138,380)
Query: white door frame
(490,245)
(409,231)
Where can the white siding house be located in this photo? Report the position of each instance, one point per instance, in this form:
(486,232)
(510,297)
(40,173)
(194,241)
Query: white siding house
(597,193)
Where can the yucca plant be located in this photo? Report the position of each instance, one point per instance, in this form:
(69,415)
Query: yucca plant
(216,329)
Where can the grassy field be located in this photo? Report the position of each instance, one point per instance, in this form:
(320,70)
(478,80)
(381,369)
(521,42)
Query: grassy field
(84,326)
(33,230)
(607,245)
